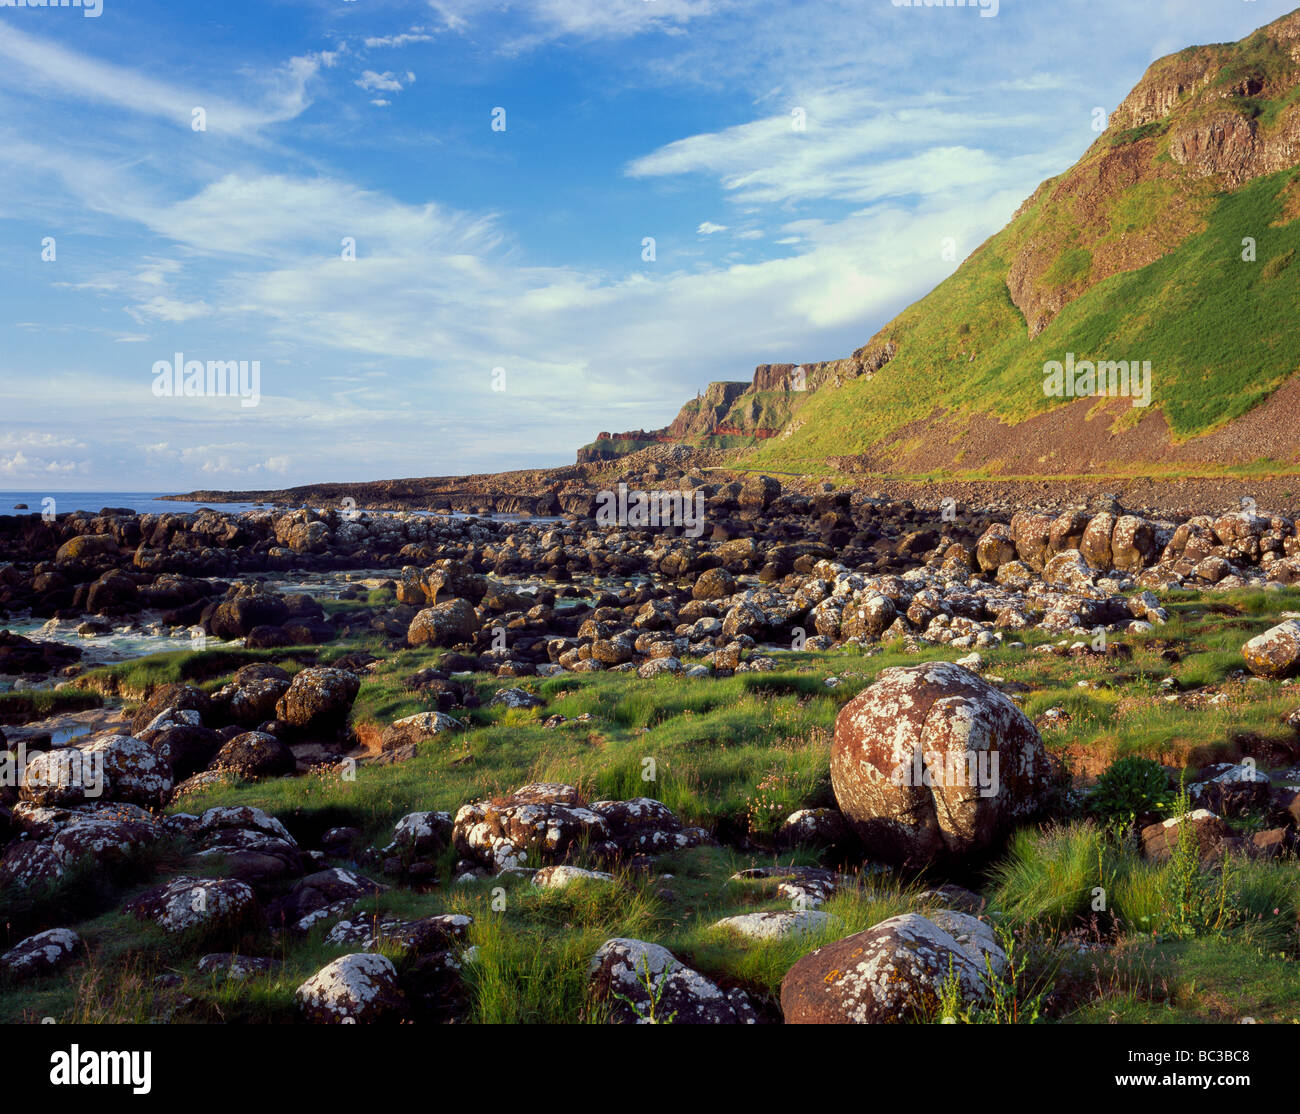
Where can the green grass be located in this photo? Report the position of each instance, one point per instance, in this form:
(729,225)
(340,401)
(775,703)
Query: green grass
(1069,875)
(135,679)
(22,707)
(734,755)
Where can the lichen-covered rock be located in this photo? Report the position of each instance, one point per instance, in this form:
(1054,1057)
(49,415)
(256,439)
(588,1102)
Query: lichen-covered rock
(254,754)
(516,698)
(1133,544)
(658,667)
(225,817)
(133,771)
(110,768)
(677,995)
(932,762)
(451,579)
(251,702)
(358,989)
(1275,654)
(805,887)
(29,865)
(996,546)
(188,903)
(1032,533)
(893,972)
(254,846)
(177,697)
(714,584)
(813,827)
(86,547)
(237,618)
(421,834)
(1096,543)
(869,619)
(645,825)
(103,839)
(776,925)
(60,777)
(444,624)
(317,894)
(187,748)
(235,968)
(426,936)
(319,700)
(557,877)
(499,834)
(1228,789)
(412,730)
(1068,569)
(42,954)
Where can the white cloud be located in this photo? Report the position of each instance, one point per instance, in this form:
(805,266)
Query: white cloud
(414,35)
(853,149)
(708,228)
(21,466)
(547,20)
(386,82)
(271,214)
(37,65)
(162,308)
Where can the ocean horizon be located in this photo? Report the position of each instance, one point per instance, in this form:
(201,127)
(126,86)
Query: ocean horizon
(142,502)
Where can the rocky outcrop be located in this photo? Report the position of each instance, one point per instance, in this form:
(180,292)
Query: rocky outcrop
(357,989)
(643,983)
(892,973)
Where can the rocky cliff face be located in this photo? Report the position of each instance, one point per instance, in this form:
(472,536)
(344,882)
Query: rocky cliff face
(1204,120)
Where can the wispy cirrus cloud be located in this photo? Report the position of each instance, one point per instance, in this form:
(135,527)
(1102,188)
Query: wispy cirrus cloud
(36,63)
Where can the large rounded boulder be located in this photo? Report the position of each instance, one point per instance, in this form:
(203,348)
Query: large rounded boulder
(253,755)
(444,624)
(933,763)
(319,700)
(235,618)
(1275,654)
(894,972)
(357,989)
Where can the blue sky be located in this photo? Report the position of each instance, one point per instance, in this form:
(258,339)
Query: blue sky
(479,249)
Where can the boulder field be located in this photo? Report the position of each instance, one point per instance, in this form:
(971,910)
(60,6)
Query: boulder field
(931,766)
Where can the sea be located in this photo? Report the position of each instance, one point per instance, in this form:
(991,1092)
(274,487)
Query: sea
(149,502)
(142,502)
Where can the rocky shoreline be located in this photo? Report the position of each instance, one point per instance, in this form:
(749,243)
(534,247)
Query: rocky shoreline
(765,571)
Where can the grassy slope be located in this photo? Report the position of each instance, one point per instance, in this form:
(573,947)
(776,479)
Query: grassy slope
(1217,330)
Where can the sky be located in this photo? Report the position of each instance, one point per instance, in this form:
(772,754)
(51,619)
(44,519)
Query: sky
(468,235)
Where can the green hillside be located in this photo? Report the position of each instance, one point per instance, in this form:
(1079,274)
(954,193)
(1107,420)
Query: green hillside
(1134,254)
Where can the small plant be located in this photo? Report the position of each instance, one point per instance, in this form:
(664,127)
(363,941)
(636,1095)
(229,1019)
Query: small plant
(1012,995)
(647,1012)
(1129,787)
(770,804)
(1199,900)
